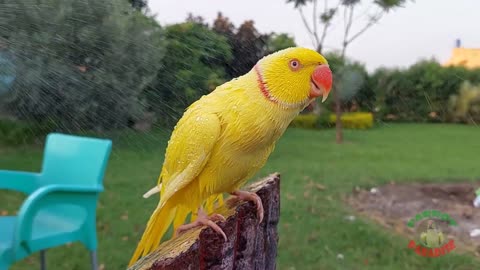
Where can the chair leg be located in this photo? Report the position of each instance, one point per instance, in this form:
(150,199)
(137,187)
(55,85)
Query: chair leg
(93,257)
(43,263)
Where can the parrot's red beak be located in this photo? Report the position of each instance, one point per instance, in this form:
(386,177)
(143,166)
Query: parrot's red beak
(321,82)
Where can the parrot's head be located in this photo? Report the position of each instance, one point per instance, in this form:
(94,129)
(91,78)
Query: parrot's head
(294,77)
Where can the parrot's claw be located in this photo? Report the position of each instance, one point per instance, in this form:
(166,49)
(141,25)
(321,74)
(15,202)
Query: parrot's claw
(250,196)
(217,217)
(204,220)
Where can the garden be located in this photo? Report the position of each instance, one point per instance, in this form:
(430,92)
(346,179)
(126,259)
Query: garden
(410,135)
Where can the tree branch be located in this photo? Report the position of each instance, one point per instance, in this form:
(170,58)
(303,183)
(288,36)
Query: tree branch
(350,21)
(314,17)
(372,21)
(326,25)
(309,29)
(349,10)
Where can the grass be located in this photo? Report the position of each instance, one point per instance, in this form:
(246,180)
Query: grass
(313,229)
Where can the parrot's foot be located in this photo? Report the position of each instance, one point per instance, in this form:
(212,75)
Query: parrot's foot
(204,220)
(250,196)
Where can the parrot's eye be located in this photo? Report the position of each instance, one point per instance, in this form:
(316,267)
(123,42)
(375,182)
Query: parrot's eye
(294,64)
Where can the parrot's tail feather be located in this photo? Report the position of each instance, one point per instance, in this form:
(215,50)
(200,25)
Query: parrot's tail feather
(220,200)
(157,226)
(210,202)
(180,216)
(152,191)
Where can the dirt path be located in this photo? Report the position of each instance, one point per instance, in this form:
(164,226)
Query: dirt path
(394,204)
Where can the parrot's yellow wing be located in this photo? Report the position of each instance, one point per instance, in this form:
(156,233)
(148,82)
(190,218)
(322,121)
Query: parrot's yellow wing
(188,151)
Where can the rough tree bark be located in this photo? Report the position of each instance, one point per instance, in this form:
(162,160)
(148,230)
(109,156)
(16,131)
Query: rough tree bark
(249,246)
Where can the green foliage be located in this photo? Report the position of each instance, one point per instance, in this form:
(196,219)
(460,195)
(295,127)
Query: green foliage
(299,3)
(101,65)
(389,4)
(277,42)
(384,4)
(352,80)
(248,45)
(138,4)
(350,2)
(193,66)
(465,106)
(324,120)
(419,93)
(85,66)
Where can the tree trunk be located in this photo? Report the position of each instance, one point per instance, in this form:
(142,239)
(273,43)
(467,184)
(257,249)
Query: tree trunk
(338,113)
(249,246)
(338,103)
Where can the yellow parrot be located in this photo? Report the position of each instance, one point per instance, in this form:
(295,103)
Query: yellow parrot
(225,137)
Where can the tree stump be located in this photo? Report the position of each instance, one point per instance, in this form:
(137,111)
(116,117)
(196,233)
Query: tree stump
(249,246)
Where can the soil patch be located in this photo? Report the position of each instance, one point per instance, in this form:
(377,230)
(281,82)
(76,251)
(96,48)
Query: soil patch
(393,205)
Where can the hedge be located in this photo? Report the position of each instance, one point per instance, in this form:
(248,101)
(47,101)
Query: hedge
(355,120)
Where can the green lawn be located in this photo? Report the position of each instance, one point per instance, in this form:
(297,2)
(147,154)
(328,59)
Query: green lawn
(312,226)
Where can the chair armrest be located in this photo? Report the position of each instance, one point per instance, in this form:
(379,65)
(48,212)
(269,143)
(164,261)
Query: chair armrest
(25,182)
(85,197)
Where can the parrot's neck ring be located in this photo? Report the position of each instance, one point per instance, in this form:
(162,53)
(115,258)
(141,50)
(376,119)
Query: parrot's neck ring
(266,93)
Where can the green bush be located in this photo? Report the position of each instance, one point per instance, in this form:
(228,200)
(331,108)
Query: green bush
(465,106)
(85,67)
(324,121)
(14,133)
(420,93)
(355,120)
(182,80)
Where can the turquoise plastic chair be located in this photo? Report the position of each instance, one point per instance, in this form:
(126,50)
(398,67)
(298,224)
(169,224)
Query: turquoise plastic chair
(62,199)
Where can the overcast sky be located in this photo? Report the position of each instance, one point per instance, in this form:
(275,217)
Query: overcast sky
(422,29)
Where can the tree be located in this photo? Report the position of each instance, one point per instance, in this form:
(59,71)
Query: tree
(324,18)
(248,44)
(193,66)
(277,42)
(354,81)
(248,47)
(83,68)
(196,20)
(138,4)
(223,26)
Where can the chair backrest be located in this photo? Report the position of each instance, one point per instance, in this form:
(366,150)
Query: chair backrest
(74,160)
